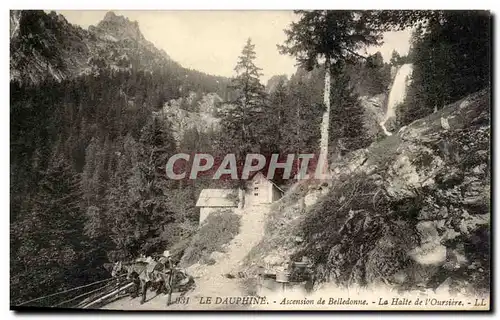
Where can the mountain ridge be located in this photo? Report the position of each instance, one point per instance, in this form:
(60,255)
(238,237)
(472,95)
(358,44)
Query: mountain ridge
(45,46)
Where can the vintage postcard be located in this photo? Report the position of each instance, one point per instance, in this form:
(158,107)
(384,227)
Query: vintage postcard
(250,160)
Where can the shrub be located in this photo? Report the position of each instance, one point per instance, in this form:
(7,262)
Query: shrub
(219,229)
(322,225)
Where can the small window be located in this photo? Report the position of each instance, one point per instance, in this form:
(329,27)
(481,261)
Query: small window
(256,188)
(256,182)
(255,194)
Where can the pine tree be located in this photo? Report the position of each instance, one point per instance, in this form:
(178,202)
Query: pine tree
(117,221)
(332,36)
(148,188)
(302,119)
(395,58)
(242,115)
(347,123)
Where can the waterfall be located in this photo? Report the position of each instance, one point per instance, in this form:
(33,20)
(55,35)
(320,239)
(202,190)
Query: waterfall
(397,93)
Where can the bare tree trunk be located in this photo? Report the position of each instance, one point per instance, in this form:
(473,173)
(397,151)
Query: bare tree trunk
(325,123)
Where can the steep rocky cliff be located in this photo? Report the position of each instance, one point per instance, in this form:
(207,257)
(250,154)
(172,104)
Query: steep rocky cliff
(411,211)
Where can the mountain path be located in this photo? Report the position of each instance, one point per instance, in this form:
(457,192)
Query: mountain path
(210,280)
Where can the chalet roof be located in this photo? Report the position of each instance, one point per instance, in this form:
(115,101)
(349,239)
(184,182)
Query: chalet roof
(218,198)
(259,174)
(277,187)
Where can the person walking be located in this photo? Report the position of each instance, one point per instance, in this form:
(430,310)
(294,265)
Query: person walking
(166,259)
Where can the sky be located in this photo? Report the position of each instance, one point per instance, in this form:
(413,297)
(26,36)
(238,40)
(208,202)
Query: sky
(211,41)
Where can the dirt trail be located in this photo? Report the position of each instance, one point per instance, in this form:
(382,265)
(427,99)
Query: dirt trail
(211,280)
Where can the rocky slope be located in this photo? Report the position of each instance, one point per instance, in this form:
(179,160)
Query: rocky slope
(411,211)
(45,46)
(374,113)
(192,112)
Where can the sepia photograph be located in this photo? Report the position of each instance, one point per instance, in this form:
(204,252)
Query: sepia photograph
(243,160)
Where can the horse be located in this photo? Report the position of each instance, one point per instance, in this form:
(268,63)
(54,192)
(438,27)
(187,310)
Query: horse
(143,274)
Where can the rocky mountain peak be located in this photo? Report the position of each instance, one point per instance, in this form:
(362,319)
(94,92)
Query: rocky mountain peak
(110,16)
(120,27)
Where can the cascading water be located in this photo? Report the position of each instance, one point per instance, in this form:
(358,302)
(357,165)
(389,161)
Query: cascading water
(397,93)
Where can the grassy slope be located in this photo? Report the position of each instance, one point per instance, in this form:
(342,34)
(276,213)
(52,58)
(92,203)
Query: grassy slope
(218,229)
